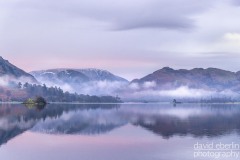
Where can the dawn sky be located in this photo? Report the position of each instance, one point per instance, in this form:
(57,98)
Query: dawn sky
(128,38)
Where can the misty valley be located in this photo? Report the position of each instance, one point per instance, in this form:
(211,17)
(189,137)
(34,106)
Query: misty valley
(91,85)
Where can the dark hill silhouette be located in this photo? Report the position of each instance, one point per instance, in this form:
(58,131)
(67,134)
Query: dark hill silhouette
(210,78)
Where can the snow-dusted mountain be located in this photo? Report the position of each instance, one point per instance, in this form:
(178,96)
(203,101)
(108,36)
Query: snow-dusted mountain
(76,75)
(100,75)
(59,76)
(86,81)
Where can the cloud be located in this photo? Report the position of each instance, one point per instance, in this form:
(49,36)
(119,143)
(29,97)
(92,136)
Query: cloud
(90,88)
(125,15)
(236,2)
(154,34)
(3,81)
(149,84)
(101,87)
(7,80)
(182,92)
(134,86)
(233,37)
(138,92)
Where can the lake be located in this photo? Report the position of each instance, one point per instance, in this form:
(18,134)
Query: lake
(120,132)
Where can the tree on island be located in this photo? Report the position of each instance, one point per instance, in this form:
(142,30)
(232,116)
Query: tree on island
(37,101)
(40,100)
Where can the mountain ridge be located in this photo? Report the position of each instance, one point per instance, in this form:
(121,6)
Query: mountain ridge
(8,69)
(168,78)
(86,74)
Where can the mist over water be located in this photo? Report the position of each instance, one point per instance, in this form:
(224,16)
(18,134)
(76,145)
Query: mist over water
(148,91)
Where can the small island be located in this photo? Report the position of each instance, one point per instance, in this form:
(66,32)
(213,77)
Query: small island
(37,101)
(176,102)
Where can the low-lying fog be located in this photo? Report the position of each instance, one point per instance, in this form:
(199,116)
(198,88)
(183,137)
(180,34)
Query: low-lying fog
(147,91)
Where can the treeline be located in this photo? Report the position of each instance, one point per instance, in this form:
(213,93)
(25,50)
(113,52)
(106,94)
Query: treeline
(56,94)
(219,100)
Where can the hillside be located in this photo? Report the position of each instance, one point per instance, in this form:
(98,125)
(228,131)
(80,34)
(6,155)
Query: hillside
(75,75)
(83,81)
(10,72)
(17,85)
(210,78)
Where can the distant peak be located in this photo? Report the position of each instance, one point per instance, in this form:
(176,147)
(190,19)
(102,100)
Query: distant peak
(198,69)
(1,58)
(167,68)
(217,69)
(93,69)
(68,69)
(212,68)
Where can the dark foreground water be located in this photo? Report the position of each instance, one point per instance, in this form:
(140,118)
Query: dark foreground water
(120,132)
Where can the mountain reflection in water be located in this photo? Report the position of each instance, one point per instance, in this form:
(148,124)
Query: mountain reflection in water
(92,119)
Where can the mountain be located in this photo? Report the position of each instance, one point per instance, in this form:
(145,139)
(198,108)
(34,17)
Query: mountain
(9,70)
(59,76)
(210,78)
(84,81)
(100,75)
(12,90)
(76,75)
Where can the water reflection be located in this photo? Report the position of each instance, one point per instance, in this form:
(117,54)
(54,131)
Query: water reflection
(93,119)
(16,118)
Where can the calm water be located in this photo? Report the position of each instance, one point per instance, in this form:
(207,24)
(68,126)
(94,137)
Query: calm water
(116,132)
